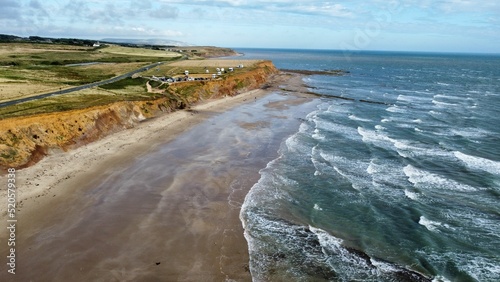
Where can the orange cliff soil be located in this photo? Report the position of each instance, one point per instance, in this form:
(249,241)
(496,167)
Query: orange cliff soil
(26,140)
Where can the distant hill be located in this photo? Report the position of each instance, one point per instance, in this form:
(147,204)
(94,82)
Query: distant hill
(157,42)
(89,42)
(47,40)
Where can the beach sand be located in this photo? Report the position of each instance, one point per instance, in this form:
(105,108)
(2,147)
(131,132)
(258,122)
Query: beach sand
(158,202)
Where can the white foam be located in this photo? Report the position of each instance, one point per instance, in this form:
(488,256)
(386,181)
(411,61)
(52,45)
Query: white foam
(443,104)
(479,163)
(467,219)
(424,179)
(385,120)
(404,98)
(294,144)
(412,99)
(326,239)
(408,148)
(336,109)
(317,207)
(331,245)
(418,129)
(403,147)
(443,84)
(353,117)
(383,266)
(440,279)
(317,135)
(411,195)
(479,268)
(440,96)
(370,136)
(385,174)
(324,125)
(352,171)
(469,132)
(379,127)
(371,168)
(303,127)
(395,109)
(430,224)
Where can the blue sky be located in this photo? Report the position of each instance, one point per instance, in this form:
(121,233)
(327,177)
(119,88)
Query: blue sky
(403,25)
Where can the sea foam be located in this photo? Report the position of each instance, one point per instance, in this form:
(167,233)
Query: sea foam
(430,224)
(425,179)
(479,163)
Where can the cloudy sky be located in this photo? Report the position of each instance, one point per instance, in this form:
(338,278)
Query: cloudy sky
(405,25)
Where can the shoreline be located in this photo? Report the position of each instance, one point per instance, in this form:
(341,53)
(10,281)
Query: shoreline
(48,175)
(63,177)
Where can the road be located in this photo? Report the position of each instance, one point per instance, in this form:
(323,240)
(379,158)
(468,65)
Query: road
(78,88)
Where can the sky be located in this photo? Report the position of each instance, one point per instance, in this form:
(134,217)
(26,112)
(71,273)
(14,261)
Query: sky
(393,25)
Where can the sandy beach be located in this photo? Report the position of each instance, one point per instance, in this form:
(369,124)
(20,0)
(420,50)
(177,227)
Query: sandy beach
(158,202)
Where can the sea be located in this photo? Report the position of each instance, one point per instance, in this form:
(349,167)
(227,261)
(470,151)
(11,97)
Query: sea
(395,176)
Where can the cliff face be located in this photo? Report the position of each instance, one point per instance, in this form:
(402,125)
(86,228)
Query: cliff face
(25,140)
(234,83)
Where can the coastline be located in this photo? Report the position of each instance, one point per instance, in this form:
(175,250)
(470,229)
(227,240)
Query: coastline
(50,175)
(62,177)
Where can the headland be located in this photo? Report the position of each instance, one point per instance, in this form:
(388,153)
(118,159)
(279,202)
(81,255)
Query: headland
(153,188)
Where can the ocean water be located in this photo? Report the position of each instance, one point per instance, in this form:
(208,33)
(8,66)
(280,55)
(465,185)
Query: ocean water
(404,189)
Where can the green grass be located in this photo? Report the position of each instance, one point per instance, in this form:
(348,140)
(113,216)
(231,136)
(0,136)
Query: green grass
(54,74)
(43,66)
(9,154)
(69,102)
(187,90)
(122,84)
(154,83)
(63,57)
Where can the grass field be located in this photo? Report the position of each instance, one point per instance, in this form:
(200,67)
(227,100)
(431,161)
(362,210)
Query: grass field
(31,69)
(215,63)
(139,52)
(123,90)
(199,67)
(28,69)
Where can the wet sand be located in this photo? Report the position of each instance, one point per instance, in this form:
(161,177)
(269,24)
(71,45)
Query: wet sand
(159,202)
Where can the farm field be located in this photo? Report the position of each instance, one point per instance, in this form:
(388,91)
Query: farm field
(30,69)
(121,50)
(199,67)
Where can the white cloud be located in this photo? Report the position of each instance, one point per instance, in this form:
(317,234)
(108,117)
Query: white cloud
(322,8)
(210,19)
(335,10)
(451,6)
(11,9)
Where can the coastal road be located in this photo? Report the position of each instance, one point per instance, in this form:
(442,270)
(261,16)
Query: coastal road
(78,88)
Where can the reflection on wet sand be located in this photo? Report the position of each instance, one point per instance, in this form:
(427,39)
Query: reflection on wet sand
(170,214)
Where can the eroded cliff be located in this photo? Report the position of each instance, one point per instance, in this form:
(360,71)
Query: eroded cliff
(25,140)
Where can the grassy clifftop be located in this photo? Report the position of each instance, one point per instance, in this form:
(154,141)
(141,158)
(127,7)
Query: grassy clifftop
(25,140)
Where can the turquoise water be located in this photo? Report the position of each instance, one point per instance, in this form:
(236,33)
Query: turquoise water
(404,189)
